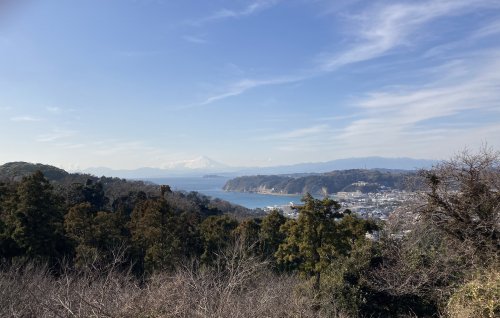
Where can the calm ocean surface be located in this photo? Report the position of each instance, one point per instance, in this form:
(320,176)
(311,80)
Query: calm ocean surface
(213,187)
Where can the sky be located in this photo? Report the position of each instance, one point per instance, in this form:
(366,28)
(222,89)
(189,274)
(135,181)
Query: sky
(135,83)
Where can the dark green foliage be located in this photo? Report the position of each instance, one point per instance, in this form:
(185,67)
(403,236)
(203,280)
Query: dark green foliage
(311,242)
(90,192)
(95,235)
(321,238)
(35,219)
(154,231)
(82,226)
(216,233)
(248,231)
(125,204)
(270,236)
(9,248)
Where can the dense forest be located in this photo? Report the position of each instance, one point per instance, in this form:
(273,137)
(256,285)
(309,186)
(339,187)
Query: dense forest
(82,246)
(321,184)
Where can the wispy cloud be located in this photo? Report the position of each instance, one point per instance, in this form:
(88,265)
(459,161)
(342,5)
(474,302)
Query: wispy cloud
(194,39)
(493,28)
(398,118)
(299,133)
(138,53)
(244,85)
(53,109)
(380,29)
(384,28)
(252,8)
(55,135)
(304,139)
(25,119)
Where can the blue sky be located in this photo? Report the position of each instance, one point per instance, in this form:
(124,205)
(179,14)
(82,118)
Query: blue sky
(131,83)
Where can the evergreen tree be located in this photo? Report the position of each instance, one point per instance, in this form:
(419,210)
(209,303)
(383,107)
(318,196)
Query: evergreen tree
(95,234)
(154,227)
(37,219)
(91,192)
(8,247)
(311,242)
(248,233)
(270,236)
(217,233)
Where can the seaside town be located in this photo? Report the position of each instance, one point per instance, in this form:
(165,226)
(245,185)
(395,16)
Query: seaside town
(367,205)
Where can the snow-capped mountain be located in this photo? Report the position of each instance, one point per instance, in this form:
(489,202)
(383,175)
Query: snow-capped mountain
(197,166)
(201,162)
(203,165)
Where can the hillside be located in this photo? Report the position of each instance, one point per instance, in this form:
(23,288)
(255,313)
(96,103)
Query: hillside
(116,190)
(16,170)
(319,184)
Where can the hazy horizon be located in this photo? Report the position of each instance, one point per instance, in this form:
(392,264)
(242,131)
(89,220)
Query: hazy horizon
(126,84)
(215,166)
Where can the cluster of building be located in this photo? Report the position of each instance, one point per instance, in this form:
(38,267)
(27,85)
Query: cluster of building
(367,205)
(373,204)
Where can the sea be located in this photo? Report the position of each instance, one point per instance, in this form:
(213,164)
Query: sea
(212,186)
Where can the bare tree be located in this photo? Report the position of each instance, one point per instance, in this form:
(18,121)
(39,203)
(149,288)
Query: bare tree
(463,199)
(238,285)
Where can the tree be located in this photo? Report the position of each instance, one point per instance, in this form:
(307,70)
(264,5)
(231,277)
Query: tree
(311,242)
(8,247)
(155,231)
(92,192)
(433,248)
(96,235)
(248,231)
(37,218)
(463,199)
(270,236)
(217,233)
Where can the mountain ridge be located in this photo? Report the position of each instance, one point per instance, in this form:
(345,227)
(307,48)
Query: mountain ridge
(203,165)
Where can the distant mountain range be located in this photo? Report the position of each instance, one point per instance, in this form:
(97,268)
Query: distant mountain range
(203,165)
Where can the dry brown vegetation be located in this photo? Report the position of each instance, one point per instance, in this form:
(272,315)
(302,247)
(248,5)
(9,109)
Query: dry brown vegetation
(239,285)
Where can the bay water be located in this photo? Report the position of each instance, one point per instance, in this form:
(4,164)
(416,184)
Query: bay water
(212,186)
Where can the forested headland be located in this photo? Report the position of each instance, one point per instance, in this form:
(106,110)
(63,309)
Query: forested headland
(81,246)
(324,183)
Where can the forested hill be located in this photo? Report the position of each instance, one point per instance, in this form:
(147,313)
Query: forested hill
(364,180)
(15,171)
(117,191)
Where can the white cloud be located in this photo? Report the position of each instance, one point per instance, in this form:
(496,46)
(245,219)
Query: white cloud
(311,139)
(398,119)
(194,39)
(490,29)
(55,135)
(244,85)
(384,28)
(53,109)
(378,31)
(138,53)
(252,8)
(312,131)
(25,119)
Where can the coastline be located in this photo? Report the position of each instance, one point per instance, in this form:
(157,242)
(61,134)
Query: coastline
(267,193)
